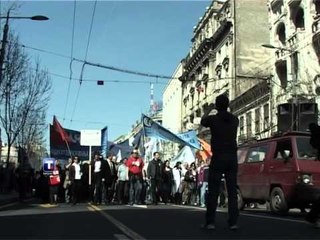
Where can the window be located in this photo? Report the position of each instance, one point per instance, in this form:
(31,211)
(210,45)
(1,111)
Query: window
(257,154)
(257,120)
(283,150)
(249,124)
(241,125)
(241,155)
(299,19)
(281,33)
(281,70)
(317,6)
(305,150)
(266,116)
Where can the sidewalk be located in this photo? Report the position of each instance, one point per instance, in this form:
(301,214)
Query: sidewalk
(6,198)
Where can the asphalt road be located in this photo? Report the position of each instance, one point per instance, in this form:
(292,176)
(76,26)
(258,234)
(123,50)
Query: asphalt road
(42,221)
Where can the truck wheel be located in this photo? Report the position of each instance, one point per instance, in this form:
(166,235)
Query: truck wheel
(241,203)
(278,202)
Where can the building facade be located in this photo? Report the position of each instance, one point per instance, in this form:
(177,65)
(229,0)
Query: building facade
(295,35)
(227,57)
(171,111)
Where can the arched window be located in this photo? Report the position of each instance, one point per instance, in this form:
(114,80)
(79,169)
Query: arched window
(299,18)
(317,6)
(281,33)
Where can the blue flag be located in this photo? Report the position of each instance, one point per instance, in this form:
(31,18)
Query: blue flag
(154,129)
(191,138)
(104,141)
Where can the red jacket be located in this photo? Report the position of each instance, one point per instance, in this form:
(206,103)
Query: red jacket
(135,165)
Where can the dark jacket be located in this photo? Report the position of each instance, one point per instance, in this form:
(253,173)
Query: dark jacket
(223,127)
(110,175)
(103,169)
(154,169)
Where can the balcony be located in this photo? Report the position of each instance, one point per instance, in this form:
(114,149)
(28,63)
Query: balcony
(218,68)
(276,5)
(295,38)
(192,90)
(316,24)
(294,3)
(205,77)
(225,62)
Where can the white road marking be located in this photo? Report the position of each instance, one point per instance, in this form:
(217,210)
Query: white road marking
(8,205)
(127,231)
(139,206)
(121,236)
(245,214)
(270,217)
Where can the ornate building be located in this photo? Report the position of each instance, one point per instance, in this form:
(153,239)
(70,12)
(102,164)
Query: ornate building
(172,96)
(295,39)
(226,57)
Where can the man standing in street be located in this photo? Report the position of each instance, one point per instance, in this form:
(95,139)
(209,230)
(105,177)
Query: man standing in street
(154,174)
(223,127)
(111,178)
(135,165)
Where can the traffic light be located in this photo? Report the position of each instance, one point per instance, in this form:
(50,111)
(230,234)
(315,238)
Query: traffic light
(100,82)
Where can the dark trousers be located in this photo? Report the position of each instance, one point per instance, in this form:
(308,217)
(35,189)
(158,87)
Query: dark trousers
(122,190)
(76,188)
(222,164)
(135,188)
(109,186)
(166,191)
(314,213)
(97,187)
(154,190)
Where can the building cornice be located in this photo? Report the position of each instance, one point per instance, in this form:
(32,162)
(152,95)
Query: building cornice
(204,50)
(250,96)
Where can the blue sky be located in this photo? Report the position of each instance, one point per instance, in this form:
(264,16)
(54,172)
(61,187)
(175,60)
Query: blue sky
(145,36)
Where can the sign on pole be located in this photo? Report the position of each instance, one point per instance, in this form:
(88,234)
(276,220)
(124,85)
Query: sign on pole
(90,138)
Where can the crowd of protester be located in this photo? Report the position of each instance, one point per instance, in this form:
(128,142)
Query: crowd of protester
(114,181)
(125,181)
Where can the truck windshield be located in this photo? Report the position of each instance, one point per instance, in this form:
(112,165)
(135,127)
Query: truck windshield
(305,150)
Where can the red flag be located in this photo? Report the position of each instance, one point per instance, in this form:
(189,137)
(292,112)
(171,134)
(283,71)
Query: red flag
(57,127)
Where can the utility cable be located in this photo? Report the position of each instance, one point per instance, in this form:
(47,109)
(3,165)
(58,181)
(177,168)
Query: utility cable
(71,55)
(99,65)
(86,55)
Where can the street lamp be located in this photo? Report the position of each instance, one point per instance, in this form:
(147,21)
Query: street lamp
(5,35)
(293,53)
(279,48)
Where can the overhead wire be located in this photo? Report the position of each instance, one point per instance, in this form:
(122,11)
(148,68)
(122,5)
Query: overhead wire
(86,55)
(71,55)
(144,74)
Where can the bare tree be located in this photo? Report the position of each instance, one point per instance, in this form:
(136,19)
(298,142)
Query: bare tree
(25,95)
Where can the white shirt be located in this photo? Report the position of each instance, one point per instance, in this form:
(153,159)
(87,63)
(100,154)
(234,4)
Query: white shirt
(97,166)
(77,171)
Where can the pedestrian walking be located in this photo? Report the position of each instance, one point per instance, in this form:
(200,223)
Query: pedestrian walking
(135,165)
(67,182)
(99,168)
(154,173)
(54,182)
(24,178)
(313,216)
(123,177)
(176,172)
(223,127)
(75,178)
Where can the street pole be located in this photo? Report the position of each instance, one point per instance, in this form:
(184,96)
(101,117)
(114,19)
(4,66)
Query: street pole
(5,36)
(3,45)
(295,115)
(295,106)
